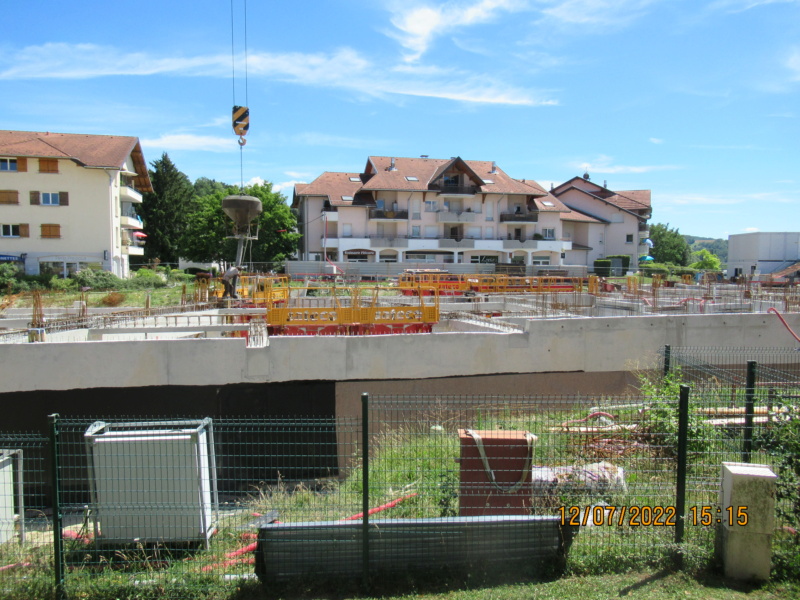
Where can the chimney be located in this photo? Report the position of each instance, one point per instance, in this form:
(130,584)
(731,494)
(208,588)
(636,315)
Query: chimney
(605,184)
(494,167)
(423,156)
(393,168)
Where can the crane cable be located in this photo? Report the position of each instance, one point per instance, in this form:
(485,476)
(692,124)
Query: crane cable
(241,114)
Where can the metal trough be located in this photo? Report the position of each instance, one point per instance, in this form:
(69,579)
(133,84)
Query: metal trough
(288,550)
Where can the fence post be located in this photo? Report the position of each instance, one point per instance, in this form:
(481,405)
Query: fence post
(680,484)
(58,548)
(749,409)
(667,360)
(365,486)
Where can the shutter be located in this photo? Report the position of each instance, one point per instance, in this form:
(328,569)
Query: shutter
(9,197)
(24,230)
(63,198)
(22,164)
(34,197)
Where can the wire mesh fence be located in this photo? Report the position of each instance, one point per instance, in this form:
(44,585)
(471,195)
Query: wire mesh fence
(176,507)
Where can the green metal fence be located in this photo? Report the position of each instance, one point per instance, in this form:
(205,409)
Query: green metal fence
(203,507)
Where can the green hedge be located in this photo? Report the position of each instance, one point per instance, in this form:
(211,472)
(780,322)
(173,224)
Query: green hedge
(602,267)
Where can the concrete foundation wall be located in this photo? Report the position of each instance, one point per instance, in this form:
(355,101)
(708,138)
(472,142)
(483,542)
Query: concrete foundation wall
(596,345)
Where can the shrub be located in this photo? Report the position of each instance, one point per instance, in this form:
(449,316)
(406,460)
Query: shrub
(112,299)
(626,260)
(602,267)
(146,279)
(98,280)
(8,276)
(60,284)
(652,268)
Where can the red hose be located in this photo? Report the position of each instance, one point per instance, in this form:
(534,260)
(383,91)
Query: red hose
(372,511)
(785,324)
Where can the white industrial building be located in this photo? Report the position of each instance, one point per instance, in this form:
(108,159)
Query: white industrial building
(762,253)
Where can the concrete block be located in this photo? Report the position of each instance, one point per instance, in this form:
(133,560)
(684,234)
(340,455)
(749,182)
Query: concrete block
(751,486)
(744,545)
(745,556)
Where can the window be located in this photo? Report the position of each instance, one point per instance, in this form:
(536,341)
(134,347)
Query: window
(489,235)
(48,165)
(629,238)
(8,164)
(50,199)
(488,181)
(415,231)
(547,203)
(9,197)
(430,205)
(431,231)
(540,260)
(380,203)
(51,231)
(548,233)
(347,198)
(451,180)
(9,230)
(355,179)
(347,230)
(411,178)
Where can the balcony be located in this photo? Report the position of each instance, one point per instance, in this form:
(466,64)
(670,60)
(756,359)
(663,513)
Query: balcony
(133,250)
(453,190)
(128,194)
(520,217)
(542,245)
(644,229)
(130,221)
(381,241)
(388,215)
(330,214)
(456,243)
(446,216)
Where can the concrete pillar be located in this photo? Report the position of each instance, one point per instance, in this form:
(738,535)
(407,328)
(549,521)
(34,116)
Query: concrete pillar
(745,520)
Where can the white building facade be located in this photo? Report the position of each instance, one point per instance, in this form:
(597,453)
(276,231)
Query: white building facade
(447,211)
(762,253)
(68,201)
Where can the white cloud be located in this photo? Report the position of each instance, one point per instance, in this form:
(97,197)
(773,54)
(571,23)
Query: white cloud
(418,25)
(751,229)
(656,140)
(605,13)
(604,164)
(285,187)
(187,141)
(85,61)
(793,64)
(344,69)
(736,6)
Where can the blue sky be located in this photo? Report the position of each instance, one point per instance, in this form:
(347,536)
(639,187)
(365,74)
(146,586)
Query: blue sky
(696,100)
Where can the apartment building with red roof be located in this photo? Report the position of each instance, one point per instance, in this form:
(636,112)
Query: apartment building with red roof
(455,211)
(68,201)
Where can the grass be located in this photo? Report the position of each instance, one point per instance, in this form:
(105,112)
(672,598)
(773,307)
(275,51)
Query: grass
(415,453)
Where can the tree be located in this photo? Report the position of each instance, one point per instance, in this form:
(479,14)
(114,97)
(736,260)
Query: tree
(669,246)
(206,237)
(164,211)
(706,261)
